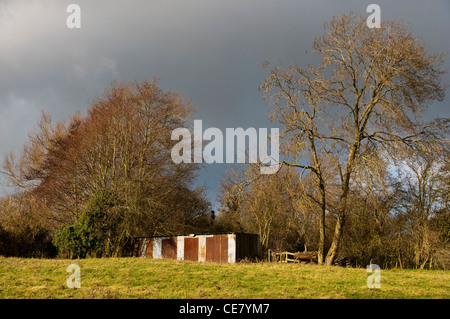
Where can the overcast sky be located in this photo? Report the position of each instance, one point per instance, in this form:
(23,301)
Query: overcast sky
(209,51)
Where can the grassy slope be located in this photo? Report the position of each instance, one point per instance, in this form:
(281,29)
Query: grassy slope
(148,278)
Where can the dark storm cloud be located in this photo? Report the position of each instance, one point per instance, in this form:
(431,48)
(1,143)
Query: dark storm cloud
(209,51)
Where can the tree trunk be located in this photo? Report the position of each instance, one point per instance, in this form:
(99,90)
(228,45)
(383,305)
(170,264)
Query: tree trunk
(400,260)
(321,250)
(343,200)
(340,221)
(336,240)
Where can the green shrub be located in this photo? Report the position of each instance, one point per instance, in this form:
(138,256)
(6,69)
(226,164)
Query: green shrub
(89,234)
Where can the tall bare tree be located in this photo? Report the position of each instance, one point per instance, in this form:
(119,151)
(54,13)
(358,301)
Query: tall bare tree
(361,104)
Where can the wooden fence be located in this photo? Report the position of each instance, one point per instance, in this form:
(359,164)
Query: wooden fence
(288,257)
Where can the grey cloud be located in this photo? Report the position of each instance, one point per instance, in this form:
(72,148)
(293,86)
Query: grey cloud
(209,51)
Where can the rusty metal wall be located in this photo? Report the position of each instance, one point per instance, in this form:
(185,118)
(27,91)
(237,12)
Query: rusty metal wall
(169,248)
(191,248)
(211,248)
(221,248)
(201,248)
(217,248)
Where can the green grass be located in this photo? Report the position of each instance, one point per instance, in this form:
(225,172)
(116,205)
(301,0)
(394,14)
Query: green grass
(150,278)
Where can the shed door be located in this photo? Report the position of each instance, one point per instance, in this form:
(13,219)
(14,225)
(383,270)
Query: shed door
(217,249)
(191,248)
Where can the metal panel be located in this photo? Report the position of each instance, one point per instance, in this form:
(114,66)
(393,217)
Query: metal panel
(220,248)
(202,248)
(169,248)
(143,247)
(149,243)
(157,248)
(223,248)
(211,249)
(180,247)
(206,248)
(231,248)
(247,246)
(191,248)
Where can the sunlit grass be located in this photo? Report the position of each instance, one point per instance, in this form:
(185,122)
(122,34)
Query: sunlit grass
(149,278)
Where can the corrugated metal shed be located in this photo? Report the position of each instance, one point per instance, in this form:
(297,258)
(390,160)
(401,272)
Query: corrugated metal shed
(221,248)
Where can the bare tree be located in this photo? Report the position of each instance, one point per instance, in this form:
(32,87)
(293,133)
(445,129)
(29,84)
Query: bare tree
(423,180)
(269,205)
(360,105)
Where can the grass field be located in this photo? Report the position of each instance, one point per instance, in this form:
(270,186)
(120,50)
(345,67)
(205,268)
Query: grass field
(150,278)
